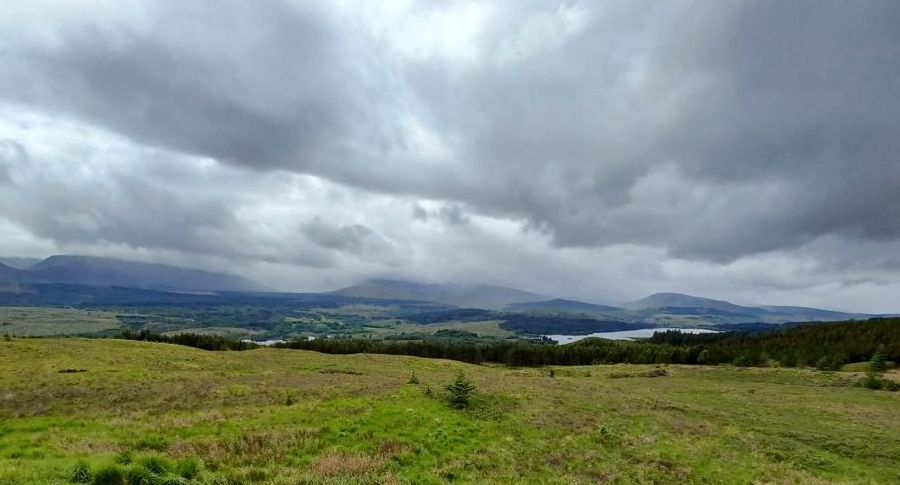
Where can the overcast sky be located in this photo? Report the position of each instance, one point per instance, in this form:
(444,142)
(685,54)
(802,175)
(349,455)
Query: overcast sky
(742,150)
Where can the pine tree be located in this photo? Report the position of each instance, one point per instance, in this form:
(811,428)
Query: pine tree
(461,389)
(878,362)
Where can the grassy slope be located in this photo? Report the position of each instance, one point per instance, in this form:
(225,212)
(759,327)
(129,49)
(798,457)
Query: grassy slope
(34,321)
(490,328)
(354,419)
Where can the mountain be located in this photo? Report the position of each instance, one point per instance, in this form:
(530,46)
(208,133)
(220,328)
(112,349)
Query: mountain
(19,263)
(96,271)
(813,313)
(678,300)
(466,296)
(9,274)
(558,305)
(687,305)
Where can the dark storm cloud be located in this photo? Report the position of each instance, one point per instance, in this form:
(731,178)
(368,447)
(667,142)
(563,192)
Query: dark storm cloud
(779,118)
(354,239)
(119,208)
(450,214)
(260,85)
(713,130)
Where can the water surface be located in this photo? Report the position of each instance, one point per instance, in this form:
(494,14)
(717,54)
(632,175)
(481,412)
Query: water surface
(624,335)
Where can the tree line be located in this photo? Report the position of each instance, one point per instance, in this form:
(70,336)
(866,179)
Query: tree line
(204,342)
(826,345)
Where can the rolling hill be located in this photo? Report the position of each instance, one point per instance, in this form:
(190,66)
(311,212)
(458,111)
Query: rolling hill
(466,296)
(559,305)
(97,271)
(687,305)
(19,263)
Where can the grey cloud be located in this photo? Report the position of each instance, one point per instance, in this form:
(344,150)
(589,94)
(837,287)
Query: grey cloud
(354,239)
(450,214)
(266,86)
(419,212)
(713,131)
(11,153)
(735,94)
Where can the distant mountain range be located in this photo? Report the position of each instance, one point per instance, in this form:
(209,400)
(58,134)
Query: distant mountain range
(465,296)
(660,309)
(679,304)
(19,263)
(96,271)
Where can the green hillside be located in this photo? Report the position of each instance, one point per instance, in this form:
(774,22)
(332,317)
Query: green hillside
(99,408)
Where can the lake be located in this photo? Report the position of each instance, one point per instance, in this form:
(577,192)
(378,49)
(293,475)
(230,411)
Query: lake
(624,335)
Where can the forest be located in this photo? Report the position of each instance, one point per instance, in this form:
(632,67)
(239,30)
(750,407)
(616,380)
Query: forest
(825,345)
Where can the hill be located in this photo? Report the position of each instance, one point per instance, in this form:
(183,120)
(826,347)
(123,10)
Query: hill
(678,300)
(680,304)
(97,271)
(9,275)
(559,305)
(466,296)
(273,416)
(19,263)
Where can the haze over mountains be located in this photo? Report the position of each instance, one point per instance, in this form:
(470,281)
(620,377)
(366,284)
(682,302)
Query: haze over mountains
(96,271)
(466,296)
(660,308)
(657,309)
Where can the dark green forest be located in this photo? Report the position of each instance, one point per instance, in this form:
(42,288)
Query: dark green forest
(826,345)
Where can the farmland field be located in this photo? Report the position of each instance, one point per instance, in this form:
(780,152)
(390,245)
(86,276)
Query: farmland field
(279,416)
(37,321)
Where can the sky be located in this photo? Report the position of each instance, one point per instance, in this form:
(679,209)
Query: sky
(740,150)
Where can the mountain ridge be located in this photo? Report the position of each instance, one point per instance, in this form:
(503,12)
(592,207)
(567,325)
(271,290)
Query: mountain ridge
(466,296)
(102,271)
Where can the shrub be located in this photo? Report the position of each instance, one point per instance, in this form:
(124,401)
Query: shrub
(189,468)
(173,480)
(825,363)
(140,475)
(703,357)
(878,383)
(124,457)
(413,379)
(112,474)
(80,473)
(156,464)
(461,389)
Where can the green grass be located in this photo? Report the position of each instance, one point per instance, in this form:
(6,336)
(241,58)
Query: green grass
(38,322)
(277,416)
(488,328)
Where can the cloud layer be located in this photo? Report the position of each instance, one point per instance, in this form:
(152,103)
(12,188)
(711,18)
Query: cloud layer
(740,149)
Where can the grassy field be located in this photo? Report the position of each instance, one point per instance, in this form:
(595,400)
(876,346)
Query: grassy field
(489,328)
(273,416)
(35,321)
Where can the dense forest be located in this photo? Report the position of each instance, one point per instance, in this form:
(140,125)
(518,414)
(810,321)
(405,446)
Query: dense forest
(205,342)
(550,325)
(826,345)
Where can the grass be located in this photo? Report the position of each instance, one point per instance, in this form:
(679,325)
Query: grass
(276,416)
(488,328)
(39,322)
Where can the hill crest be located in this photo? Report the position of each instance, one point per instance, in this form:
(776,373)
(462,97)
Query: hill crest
(466,296)
(101,271)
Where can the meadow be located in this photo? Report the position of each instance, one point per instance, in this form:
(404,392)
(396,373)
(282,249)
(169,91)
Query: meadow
(37,321)
(86,410)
